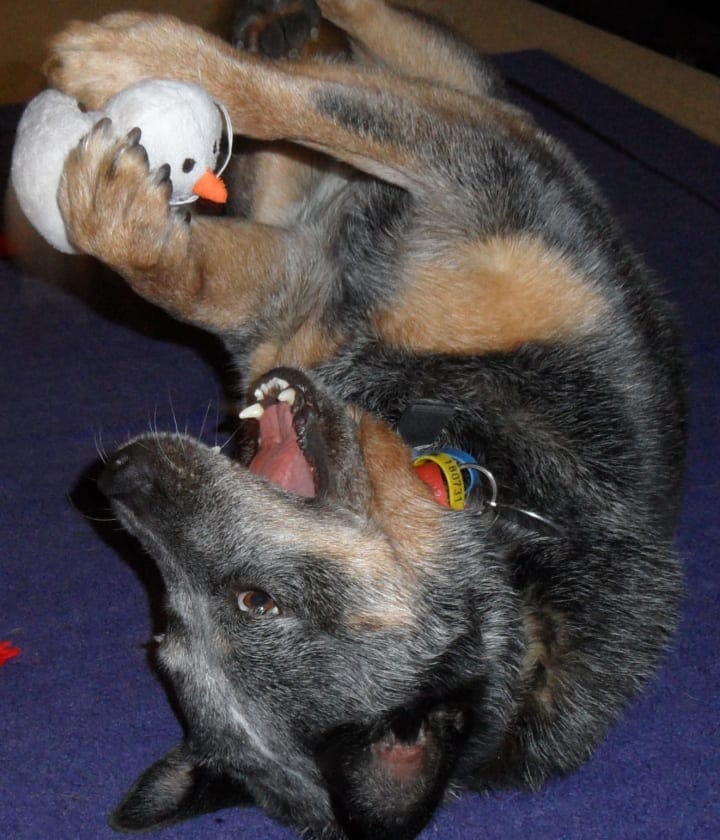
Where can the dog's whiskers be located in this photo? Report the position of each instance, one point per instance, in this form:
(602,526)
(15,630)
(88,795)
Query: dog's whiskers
(204,421)
(153,425)
(230,437)
(217,419)
(100,447)
(173,414)
(163,453)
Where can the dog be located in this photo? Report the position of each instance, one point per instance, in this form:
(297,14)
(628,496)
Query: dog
(443,559)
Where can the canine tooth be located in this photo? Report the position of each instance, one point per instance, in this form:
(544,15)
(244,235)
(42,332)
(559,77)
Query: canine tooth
(255,411)
(287,396)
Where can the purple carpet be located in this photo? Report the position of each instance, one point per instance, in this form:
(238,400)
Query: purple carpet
(81,711)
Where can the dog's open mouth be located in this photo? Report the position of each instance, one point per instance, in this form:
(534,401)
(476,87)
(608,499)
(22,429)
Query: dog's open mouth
(288,445)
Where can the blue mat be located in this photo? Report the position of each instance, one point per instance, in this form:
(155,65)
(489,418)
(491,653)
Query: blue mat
(82,713)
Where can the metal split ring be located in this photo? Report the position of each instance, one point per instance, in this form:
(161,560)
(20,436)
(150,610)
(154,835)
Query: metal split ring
(492,501)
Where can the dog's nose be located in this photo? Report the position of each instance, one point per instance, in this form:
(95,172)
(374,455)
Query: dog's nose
(127,473)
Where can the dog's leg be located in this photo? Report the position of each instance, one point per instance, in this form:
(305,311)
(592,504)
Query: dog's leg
(409,44)
(269,180)
(213,272)
(224,274)
(400,42)
(383,124)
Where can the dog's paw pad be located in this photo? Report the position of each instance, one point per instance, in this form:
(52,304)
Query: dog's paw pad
(275,28)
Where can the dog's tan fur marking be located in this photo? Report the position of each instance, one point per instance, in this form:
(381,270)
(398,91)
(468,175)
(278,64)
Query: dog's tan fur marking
(375,622)
(400,502)
(226,276)
(370,557)
(395,547)
(547,647)
(307,346)
(280,180)
(491,295)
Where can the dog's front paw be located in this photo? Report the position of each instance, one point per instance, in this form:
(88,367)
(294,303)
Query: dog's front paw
(114,208)
(93,61)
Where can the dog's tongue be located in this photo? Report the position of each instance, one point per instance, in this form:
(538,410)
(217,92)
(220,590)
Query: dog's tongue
(279,458)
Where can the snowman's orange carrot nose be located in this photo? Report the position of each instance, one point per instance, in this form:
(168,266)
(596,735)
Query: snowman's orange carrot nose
(212,187)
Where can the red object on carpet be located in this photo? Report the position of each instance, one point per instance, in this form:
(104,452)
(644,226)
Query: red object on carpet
(8,651)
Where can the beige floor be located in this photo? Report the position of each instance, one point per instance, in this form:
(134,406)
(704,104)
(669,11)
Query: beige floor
(688,96)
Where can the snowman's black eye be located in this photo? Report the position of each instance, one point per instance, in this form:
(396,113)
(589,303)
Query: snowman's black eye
(188,165)
(215,147)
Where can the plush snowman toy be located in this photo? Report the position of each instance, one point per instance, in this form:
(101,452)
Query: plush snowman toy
(180,125)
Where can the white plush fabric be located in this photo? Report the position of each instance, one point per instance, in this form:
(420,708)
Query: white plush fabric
(179,122)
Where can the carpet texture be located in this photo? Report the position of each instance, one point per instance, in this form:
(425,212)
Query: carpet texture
(82,713)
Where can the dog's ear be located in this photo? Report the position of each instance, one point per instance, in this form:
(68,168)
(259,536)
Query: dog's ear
(174,789)
(387,778)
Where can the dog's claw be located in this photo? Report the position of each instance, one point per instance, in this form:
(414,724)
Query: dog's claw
(162,174)
(101,125)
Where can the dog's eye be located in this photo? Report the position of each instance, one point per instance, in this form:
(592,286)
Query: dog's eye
(257,604)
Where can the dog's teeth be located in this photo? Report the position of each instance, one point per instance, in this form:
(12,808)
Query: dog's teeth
(287,396)
(273,384)
(159,639)
(254,411)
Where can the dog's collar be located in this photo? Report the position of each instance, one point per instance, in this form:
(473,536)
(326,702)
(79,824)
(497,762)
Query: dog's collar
(449,473)
(423,421)
(455,477)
